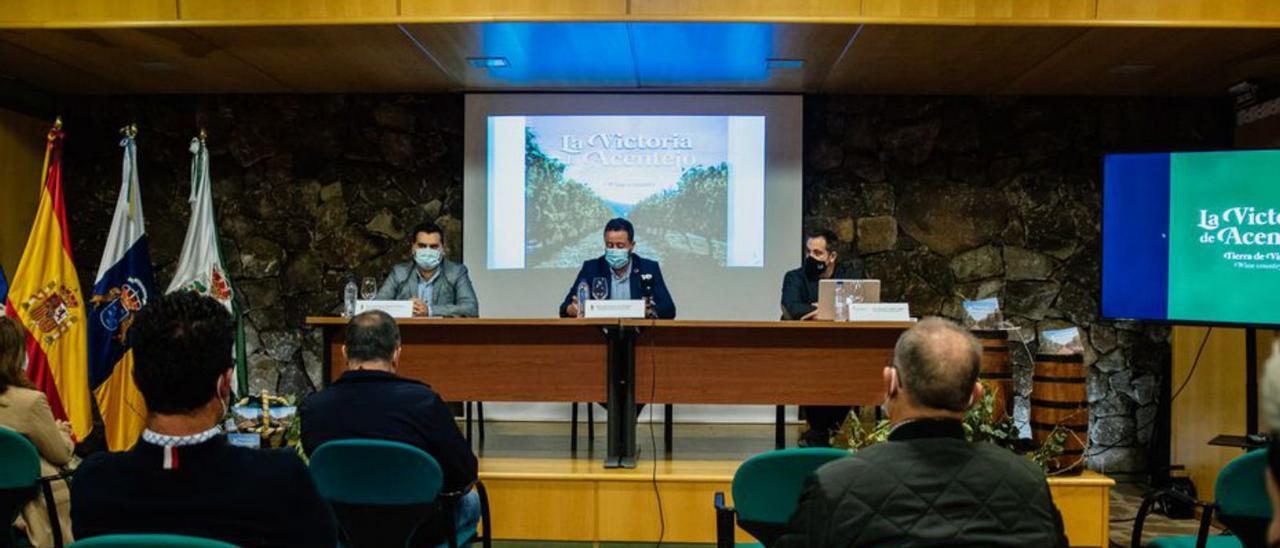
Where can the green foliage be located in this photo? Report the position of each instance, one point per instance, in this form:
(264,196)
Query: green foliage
(980,425)
(696,205)
(561,209)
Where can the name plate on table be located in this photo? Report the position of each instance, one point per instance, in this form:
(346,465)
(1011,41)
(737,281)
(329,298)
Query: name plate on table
(614,309)
(395,309)
(879,312)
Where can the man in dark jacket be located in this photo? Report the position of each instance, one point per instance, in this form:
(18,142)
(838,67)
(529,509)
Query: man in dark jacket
(624,274)
(927,486)
(800,302)
(182,476)
(370,401)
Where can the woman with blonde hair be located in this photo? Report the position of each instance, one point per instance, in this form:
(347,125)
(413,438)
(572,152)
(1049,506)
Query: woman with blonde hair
(26,411)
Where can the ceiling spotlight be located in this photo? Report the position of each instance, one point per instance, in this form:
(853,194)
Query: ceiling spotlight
(488,62)
(784,63)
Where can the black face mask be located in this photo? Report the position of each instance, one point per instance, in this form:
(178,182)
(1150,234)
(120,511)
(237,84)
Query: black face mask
(814,268)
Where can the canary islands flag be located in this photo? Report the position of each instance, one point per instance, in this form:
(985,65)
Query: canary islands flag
(122,287)
(46,298)
(4,286)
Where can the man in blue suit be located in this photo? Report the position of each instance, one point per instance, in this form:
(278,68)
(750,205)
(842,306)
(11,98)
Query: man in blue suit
(629,276)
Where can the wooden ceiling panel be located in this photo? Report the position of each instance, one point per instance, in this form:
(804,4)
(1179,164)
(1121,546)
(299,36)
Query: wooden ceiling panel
(981,9)
(373,58)
(488,9)
(28,66)
(733,56)
(716,9)
(1190,10)
(38,11)
(579,56)
(1151,61)
(268,10)
(143,60)
(942,60)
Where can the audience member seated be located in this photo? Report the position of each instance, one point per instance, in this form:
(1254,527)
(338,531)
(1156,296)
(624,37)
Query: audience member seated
(182,476)
(926,485)
(370,401)
(26,411)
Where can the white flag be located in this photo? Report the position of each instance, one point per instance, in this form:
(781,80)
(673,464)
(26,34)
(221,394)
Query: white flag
(200,267)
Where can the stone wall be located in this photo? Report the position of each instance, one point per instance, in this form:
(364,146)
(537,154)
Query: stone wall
(947,199)
(950,199)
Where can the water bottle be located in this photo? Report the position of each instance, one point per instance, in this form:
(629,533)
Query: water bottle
(583,293)
(841,306)
(349,299)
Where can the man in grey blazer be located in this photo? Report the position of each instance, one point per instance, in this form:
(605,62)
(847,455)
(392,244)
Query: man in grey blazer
(436,286)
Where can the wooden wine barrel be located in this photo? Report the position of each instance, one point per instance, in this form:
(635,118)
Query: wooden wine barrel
(1059,399)
(996,371)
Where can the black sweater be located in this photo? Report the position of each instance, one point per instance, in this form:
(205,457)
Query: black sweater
(380,405)
(247,497)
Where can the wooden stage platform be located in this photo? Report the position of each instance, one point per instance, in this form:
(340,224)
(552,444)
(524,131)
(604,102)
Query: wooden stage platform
(538,492)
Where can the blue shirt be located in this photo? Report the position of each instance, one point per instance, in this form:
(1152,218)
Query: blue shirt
(426,287)
(620,288)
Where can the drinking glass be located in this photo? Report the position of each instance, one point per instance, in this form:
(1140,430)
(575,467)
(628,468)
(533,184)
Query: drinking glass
(368,288)
(599,288)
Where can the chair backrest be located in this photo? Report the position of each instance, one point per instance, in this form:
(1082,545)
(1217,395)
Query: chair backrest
(766,488)
(147,541)
(380,472)
(1240,489)
(19,460)
(1243,505)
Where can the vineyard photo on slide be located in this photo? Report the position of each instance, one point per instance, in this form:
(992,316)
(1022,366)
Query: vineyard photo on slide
(668,175)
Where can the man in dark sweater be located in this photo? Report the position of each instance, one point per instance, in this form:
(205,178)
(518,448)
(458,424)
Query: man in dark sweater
(370,401)
(800,302)
(182,476)
(928,486)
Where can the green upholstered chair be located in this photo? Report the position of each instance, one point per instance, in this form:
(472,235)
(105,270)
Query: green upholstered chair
(149,541)
(20,481)
(766,490)
(383,492)
(1242,505)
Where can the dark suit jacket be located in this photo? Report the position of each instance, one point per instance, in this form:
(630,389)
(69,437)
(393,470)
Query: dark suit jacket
(799,292)
(380,405)
(248,497)
(640,267)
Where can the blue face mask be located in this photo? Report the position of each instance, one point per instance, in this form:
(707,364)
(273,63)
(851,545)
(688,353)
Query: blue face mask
(427,258)
(617,258)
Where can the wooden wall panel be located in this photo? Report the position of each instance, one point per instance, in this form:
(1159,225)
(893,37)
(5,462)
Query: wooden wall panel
(1212,403)
(22,140)
(980,9)
(1243,11)
(88,11)
(534,9)
(273,10)
(739,9)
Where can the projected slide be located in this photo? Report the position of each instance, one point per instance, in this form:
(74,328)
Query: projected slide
(1193,236)
(693,186)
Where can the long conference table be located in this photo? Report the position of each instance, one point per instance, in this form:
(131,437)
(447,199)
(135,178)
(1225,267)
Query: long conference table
(625,362)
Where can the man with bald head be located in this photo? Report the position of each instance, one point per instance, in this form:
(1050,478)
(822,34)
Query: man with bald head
(927,485)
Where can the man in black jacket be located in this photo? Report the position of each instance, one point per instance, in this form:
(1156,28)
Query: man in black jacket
(182,477)
(800,302)
(927,486)
(370,401)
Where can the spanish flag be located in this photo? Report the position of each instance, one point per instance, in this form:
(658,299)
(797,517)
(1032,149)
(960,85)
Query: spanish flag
(45,296)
